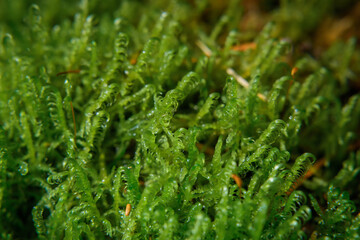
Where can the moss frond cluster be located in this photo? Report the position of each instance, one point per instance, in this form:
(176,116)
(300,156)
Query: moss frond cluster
(178,120)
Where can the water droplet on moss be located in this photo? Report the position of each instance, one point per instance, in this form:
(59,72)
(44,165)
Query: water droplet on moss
(23,168)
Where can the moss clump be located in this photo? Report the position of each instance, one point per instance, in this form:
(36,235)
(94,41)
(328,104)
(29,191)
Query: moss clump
(179,120)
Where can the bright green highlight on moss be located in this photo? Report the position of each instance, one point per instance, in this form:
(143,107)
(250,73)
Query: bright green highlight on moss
(162,126)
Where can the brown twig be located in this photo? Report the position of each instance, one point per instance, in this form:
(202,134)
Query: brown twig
(243,82)
(69,71)
(294,71)
(238,181)
(207,51)
(321,162)
(128,209)
(244,46)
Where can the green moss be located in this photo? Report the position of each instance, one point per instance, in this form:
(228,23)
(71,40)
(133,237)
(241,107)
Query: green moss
(151,103)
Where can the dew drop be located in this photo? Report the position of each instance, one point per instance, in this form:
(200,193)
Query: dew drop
(23,168)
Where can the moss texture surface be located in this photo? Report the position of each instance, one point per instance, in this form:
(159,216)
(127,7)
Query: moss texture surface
(189,119)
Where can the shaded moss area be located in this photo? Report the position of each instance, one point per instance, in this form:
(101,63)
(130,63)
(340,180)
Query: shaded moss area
(179,119)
